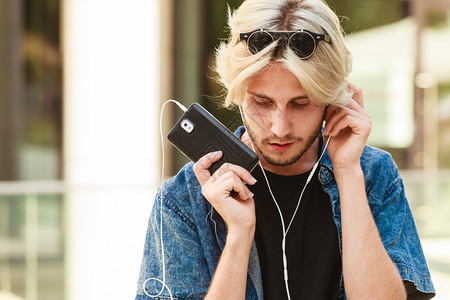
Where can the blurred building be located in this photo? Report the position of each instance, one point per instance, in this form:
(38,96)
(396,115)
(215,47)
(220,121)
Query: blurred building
(81,88)
(79,154)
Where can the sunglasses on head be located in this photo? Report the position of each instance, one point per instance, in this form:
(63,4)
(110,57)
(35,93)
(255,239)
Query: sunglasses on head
(303,42)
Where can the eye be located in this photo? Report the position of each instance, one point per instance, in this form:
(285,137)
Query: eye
(300,103)
(262,102)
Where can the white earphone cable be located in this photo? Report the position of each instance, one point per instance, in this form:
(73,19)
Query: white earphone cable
(163,281)
(284,229)
(311,174)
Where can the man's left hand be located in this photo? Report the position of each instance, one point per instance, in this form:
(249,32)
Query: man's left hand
(349,127)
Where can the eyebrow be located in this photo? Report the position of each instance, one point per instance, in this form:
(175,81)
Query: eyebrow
(264,96)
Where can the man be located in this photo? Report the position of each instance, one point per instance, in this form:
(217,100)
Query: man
(288,229)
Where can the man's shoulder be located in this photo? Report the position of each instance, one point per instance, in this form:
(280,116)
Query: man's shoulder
(374,157)
(380,170)
(183,182)
(183,194)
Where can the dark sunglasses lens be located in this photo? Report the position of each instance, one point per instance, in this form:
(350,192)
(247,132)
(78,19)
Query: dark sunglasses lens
(258,41)
(303,44)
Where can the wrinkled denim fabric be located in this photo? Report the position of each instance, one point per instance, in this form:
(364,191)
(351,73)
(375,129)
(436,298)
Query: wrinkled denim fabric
(194,234)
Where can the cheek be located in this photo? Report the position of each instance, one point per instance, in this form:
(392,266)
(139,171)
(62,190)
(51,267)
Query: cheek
(257,117)
(256,124)
(308,120)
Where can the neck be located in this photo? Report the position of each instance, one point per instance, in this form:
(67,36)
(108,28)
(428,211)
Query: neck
(303,165)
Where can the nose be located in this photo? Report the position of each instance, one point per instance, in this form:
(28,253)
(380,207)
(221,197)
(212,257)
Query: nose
(281,124)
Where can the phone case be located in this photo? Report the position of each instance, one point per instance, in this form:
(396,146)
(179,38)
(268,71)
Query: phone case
(198,132)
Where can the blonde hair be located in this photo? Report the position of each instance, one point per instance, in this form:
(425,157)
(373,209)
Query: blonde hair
(323,75)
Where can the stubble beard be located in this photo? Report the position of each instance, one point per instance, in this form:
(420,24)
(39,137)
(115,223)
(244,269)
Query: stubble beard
(288,139)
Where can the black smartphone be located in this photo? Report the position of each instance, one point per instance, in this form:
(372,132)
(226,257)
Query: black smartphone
(198,132)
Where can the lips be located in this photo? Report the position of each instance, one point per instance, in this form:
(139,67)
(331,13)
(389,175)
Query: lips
(281,147)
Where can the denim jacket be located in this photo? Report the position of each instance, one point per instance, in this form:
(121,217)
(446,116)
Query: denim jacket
(194,234)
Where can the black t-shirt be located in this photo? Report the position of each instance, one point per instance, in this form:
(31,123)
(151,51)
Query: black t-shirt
(312,244)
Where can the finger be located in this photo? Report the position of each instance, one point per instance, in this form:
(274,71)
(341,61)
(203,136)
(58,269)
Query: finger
(241,172)
(331,110)
(357,94)
(358,126)
(236,185)
(353,109)
(201,167)
(225,186)
(337,117)
(354,106)
(356,102)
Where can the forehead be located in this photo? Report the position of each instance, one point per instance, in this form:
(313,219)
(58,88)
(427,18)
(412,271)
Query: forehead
(275,79)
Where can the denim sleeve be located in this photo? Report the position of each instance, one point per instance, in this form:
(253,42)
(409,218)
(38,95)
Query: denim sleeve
(186,274)
(398,231)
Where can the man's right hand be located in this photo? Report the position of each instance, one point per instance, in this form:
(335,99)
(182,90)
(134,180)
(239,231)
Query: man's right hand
(227,192)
